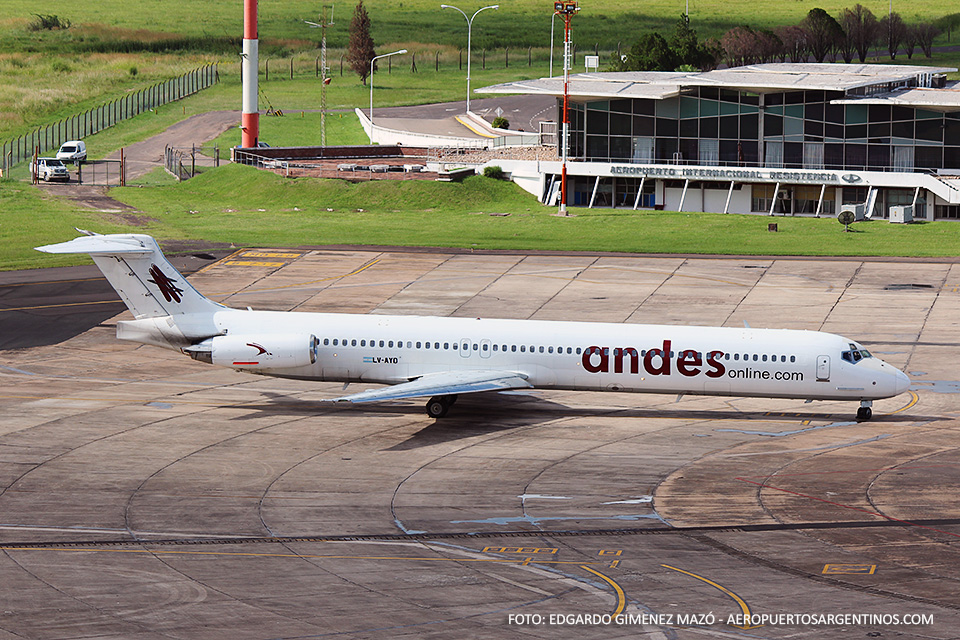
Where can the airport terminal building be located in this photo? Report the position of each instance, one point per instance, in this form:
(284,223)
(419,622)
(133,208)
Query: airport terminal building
(784,139)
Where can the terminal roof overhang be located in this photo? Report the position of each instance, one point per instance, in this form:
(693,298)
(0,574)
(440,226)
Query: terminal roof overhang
(760,78)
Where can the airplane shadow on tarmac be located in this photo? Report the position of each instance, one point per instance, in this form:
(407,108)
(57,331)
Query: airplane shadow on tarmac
(484,413)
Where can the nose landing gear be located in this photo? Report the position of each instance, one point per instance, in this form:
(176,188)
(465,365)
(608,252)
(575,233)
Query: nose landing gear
(865,412)
(438,406)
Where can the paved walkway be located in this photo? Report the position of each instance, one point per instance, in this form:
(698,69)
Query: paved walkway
(143,157)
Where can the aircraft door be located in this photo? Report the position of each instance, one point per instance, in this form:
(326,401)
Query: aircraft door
(823,368)
(485,348)
(465,348)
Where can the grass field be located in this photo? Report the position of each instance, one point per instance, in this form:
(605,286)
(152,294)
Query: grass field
(518,23)
(275,211)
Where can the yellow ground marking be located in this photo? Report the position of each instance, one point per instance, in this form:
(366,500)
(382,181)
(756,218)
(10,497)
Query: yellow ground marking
(740,601)
(265,254)
(477,131)
(253,263)
(313,556)
(519,550)
(621,598)
(610,552)
(914,399)
(214,264)
(836,569)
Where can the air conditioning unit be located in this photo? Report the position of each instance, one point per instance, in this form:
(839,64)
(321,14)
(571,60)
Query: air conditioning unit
(901,214)
(856,209)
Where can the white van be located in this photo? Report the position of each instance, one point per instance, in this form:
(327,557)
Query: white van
(73,151)
(48,169)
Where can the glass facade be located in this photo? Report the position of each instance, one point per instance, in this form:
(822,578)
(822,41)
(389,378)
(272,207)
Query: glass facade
(797,130)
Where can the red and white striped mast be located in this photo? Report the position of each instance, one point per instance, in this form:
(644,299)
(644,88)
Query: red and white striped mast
(250,114)
(566,9)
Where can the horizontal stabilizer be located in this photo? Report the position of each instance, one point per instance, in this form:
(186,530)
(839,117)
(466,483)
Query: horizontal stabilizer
(99,245)
(442,384)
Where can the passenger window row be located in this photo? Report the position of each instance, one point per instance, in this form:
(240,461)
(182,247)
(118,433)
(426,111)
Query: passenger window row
(455,346)
(503,348)
(759,357)
(726,356)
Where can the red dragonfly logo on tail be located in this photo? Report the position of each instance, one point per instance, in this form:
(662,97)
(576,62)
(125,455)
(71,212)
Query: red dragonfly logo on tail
(171,292)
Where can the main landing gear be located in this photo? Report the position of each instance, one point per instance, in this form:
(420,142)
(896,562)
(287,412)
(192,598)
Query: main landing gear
(438,406)
(865,412)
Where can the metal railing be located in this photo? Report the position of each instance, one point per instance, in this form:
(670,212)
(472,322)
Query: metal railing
(77,127)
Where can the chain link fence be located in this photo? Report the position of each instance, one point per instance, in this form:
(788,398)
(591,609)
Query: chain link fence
(185,162)
(97,119)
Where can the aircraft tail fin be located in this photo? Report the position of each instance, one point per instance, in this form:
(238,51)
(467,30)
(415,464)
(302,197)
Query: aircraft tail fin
(134,265)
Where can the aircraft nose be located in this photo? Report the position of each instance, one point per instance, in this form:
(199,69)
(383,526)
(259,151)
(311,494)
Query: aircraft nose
(903,382)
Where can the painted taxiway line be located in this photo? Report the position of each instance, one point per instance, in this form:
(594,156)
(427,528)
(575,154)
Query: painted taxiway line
(744,607)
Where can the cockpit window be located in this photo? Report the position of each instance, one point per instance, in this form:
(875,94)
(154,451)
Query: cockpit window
(855,355)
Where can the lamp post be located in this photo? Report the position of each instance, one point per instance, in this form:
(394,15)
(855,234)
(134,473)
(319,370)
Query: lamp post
(551,43)
(469,35)
(372,61)
(566,9)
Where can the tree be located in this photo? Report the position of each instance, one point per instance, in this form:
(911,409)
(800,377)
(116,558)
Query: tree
(685,52)
(926,32)
(688,48)
(769,47)
(861,28)
(910,40)
(844,46)
(823,33)
(650,53)
(794,41)
(893,30)
(360,49)
(739,46)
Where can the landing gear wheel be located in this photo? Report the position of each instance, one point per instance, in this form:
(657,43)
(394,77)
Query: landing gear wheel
(438,406)
(864,413)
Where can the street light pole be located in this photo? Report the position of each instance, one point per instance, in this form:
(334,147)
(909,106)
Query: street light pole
(372,61)
(469,37)
(567,9)
(551,43)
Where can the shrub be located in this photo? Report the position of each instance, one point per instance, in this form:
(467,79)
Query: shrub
(501,123)
(493,172)
(48,23)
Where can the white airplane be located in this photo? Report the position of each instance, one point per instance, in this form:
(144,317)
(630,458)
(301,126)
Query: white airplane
(440,358)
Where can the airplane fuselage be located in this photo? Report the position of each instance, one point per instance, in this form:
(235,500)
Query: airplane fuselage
(573,355)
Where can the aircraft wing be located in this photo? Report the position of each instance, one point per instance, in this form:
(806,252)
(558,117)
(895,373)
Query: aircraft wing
(442,384)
